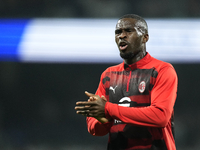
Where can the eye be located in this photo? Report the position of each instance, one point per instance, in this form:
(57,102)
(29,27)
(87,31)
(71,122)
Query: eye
(128,30)
(118,31)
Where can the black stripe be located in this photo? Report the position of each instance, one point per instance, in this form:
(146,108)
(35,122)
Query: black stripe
(106,79)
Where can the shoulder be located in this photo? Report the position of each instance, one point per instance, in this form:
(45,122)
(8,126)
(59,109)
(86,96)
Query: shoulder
(162,69)
(160,65)
(166,74)
(115,68)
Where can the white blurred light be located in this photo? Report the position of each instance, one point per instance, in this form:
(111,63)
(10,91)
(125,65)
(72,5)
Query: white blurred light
(92,40)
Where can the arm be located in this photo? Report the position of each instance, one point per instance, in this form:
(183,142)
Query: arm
(163,97)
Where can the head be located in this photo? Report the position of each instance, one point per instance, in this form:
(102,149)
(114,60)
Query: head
(131,35)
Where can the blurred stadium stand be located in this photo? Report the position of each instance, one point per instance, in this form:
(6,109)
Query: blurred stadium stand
(98,8)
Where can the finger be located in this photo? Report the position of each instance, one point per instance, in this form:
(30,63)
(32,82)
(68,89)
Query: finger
(94,113)
(91,115)
(82,107)
(82,112)
(85,103)
(91,99)
(103,97)
(102,119)
(89,94)
(86,108)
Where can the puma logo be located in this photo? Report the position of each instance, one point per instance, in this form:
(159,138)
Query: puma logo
(113,89)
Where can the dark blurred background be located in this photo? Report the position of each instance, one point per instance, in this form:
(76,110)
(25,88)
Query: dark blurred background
(37,99)
(98,8)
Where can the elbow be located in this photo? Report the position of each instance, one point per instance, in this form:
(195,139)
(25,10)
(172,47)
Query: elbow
(162,123)
(163,119)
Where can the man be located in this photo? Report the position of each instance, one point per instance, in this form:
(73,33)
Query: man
(135,99)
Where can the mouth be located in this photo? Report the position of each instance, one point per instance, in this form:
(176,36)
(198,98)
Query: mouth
(123,46)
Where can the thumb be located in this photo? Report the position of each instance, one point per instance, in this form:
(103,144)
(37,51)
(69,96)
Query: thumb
(89,94)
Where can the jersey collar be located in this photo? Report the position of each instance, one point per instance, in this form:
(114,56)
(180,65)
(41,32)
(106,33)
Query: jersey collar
(138,64)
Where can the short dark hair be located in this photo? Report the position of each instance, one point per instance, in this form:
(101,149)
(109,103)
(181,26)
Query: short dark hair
(143,24)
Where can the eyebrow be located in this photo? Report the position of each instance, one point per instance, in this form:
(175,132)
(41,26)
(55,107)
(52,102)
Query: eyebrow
(125,28)
(128,28)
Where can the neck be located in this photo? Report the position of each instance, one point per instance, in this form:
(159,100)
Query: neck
(136,58)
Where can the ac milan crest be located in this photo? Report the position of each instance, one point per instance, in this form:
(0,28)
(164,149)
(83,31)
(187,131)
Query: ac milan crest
(142,86)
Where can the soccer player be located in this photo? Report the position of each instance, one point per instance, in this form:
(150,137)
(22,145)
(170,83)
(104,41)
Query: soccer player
(135,99)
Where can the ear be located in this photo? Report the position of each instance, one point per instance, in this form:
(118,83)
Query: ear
(146,38)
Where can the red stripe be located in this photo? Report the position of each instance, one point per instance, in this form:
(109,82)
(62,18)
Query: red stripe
(117,128)
(140,99)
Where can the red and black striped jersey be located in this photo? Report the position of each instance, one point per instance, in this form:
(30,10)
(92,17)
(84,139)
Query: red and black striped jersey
(141,99)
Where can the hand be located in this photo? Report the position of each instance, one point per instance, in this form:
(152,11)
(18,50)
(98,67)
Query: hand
(100,119)
(94,107)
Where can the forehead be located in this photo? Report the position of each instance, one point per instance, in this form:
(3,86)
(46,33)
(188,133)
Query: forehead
(126,23)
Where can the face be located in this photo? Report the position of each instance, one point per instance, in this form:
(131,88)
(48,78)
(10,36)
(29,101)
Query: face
(129,38)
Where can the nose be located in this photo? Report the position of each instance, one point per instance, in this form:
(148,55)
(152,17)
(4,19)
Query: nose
(122,35)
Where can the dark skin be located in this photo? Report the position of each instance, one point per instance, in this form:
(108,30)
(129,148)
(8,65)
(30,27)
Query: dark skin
(129,35)
(131,40)
(94,107)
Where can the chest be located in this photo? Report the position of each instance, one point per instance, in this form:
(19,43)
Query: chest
(131,88)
